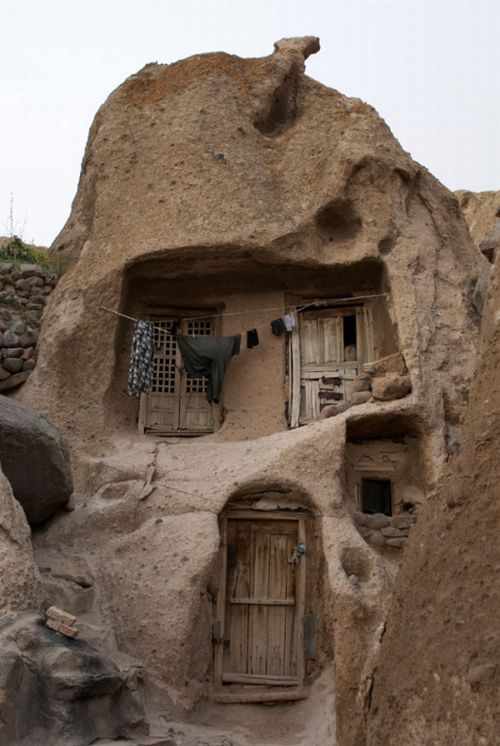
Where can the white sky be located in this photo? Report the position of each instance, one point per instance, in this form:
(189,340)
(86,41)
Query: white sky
(430,68)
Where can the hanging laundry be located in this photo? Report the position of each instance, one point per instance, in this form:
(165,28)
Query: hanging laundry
(289,322)
(278,327)
(176,324)
(140,370)
(209,357)
(252,339)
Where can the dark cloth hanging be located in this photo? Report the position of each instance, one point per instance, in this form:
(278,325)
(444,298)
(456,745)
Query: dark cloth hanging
(140,370)
(252,338)
(173,329)
(208,356)
(278,327)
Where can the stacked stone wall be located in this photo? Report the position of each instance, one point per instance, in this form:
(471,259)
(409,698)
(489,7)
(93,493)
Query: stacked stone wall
(381,530)
(24,291)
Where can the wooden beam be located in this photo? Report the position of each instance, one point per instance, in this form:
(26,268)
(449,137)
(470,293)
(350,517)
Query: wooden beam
(250,678)
(263,601)
(249,694)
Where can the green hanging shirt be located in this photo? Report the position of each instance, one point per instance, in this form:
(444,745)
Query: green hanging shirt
(208,356)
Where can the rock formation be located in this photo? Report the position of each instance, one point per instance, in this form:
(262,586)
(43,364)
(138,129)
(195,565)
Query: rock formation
(438,677)
(35,459)
(21,585)
(481,210)
(54,690)
(245,187)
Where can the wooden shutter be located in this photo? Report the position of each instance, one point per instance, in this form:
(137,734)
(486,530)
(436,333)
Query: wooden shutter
(319,373)
(176,403)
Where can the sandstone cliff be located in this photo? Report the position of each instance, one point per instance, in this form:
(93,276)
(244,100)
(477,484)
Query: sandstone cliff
(244,185)
(438,677)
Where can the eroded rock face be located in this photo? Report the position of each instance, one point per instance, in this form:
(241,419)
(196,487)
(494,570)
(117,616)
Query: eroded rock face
(55,690)
(20,581)
(481,210)
(438,676)
(245,176)
(35,459)
(248,182)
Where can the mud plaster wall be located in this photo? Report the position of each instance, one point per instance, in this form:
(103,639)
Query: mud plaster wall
(397,459)
(255,393)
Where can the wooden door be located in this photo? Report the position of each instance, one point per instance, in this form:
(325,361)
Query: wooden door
(263,589)
(176,404)
(323,365)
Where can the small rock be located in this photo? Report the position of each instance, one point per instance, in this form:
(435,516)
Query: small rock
(27,340)
(379,520)
(361,519)
(28,270)
(18,327)
(13,351)
(364,531)
(10,339)
(333,409)
(15,380)
(12,364)
(359,397)
(395,542)
(403,521)
(4,374)
(40,300)
(28,353)
(480,673)
(361,384)
(376,539)
(391,386)
(384,365)
(391,531)
(29,364)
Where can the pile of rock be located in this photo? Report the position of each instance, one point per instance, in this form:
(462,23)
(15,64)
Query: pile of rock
(383,379)
(381,530)
(24,290)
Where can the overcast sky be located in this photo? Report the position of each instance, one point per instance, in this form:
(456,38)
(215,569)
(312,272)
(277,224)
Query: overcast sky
(430,68)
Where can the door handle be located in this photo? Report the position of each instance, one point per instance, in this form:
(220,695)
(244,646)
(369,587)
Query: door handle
(297,554)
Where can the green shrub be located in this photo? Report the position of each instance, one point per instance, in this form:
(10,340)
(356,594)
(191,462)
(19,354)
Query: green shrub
(17,251)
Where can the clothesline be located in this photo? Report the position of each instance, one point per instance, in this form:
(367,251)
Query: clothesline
(298,308)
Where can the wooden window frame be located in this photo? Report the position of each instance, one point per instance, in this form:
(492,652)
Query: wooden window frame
(364,334)
(155,313)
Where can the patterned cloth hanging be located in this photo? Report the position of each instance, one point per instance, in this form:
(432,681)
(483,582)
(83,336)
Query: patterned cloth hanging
(140,369)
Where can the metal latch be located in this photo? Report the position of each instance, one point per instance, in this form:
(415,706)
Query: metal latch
(297,554)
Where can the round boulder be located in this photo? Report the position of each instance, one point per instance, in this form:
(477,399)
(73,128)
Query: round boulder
(34,459)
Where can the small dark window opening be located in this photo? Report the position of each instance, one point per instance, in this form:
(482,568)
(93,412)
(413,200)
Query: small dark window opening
(376,496)
(349,330)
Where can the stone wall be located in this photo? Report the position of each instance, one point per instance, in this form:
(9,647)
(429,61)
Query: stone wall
(381,530)
(24,291)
